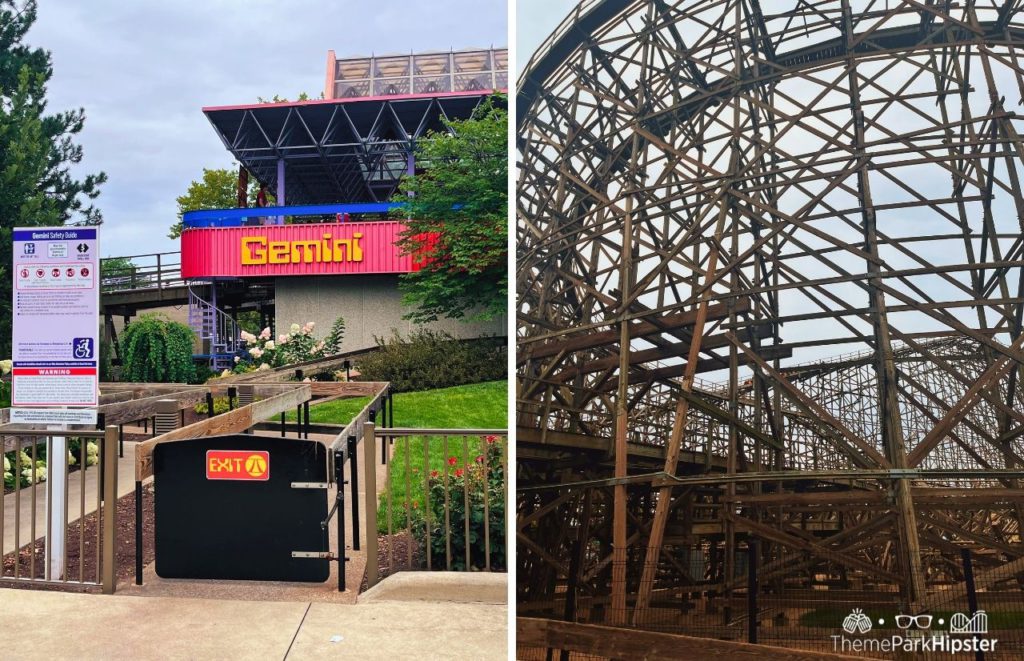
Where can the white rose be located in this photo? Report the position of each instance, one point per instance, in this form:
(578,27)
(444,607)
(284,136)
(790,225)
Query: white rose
(294,328)
(263,367)
(237,358)
(269,346)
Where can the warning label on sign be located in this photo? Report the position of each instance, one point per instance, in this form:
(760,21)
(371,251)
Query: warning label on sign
(237,465)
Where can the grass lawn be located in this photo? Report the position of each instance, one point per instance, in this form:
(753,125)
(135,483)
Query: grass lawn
(478,405)
(475,406)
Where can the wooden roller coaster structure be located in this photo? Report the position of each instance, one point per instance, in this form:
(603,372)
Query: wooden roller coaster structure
(770,287)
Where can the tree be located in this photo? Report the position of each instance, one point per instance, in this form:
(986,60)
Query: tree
(119,272)
(218,189)
(303,96)
(456,212)
(37,149)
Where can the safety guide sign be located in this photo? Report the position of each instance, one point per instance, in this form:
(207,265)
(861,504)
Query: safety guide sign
(56,317)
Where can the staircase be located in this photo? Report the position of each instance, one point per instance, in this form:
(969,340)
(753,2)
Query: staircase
(215,326)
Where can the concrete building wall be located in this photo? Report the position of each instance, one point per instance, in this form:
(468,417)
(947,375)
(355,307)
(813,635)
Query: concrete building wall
(371,304)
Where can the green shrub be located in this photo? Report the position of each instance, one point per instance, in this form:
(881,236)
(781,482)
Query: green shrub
(220,405)
(203,374)
(157,350)
(105,361)
(430,359)
(332,343)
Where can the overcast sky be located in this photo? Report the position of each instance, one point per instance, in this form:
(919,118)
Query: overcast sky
(535,19)
(143,70)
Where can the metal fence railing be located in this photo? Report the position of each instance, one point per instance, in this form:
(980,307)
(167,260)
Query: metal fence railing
(34,510)
(978,612)
(152,271)
(442,504)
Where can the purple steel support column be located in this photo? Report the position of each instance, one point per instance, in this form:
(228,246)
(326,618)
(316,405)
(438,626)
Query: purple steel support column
(215,338)
(280,188)
(410,169)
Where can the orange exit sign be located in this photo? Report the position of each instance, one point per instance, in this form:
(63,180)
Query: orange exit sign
(237,465)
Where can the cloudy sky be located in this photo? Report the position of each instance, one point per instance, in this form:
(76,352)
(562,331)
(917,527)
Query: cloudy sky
(535,19)
(143,70)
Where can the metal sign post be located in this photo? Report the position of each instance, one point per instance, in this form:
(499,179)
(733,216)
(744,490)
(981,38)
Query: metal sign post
(55,375)
(56,515)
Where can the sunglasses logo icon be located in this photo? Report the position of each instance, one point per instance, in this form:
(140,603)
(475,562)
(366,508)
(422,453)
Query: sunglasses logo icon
(918,621)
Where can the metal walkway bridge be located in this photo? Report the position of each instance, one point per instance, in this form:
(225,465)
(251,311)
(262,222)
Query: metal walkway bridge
(134,283)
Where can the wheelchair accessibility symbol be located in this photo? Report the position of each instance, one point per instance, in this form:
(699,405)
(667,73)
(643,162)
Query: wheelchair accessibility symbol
(83,347)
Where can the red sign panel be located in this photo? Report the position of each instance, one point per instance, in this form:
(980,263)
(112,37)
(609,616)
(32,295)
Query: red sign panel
(282,250)
(237,465)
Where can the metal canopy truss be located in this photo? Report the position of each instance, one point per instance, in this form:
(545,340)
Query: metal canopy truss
(348,150)
(758,239)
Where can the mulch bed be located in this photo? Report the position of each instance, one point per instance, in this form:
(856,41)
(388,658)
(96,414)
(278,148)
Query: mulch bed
(398,545)
(83,558)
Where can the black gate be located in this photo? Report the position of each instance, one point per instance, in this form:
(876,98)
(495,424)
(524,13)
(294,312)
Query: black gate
(241,507)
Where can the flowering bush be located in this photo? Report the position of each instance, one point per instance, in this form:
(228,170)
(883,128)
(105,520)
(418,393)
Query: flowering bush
(29,473)
(5,388)
(484,474)
(298,345)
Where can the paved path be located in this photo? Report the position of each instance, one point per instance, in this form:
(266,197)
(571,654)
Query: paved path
(52,625)
(125,485)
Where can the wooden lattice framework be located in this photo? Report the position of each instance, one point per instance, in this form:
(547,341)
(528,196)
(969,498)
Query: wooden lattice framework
(816,207)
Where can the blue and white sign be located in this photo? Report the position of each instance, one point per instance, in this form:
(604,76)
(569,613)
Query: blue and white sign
(56,317)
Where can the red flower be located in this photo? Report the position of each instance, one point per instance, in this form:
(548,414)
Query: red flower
(492,439)
(480,459)
(434,473)
(458,472)
(452,461)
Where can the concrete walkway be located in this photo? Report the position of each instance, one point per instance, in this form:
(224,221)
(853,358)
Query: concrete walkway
(11,504)
(52,625)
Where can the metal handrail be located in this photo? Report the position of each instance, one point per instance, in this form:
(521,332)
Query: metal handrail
(405,431)
(162,271)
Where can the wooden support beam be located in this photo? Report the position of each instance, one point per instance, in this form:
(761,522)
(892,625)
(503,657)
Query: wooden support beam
(982,581)
(122,412)
(675,350)
(764,531)
(865,454)
(614,643)
(703,365)
(999,368)
(233,421)
(637,330)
